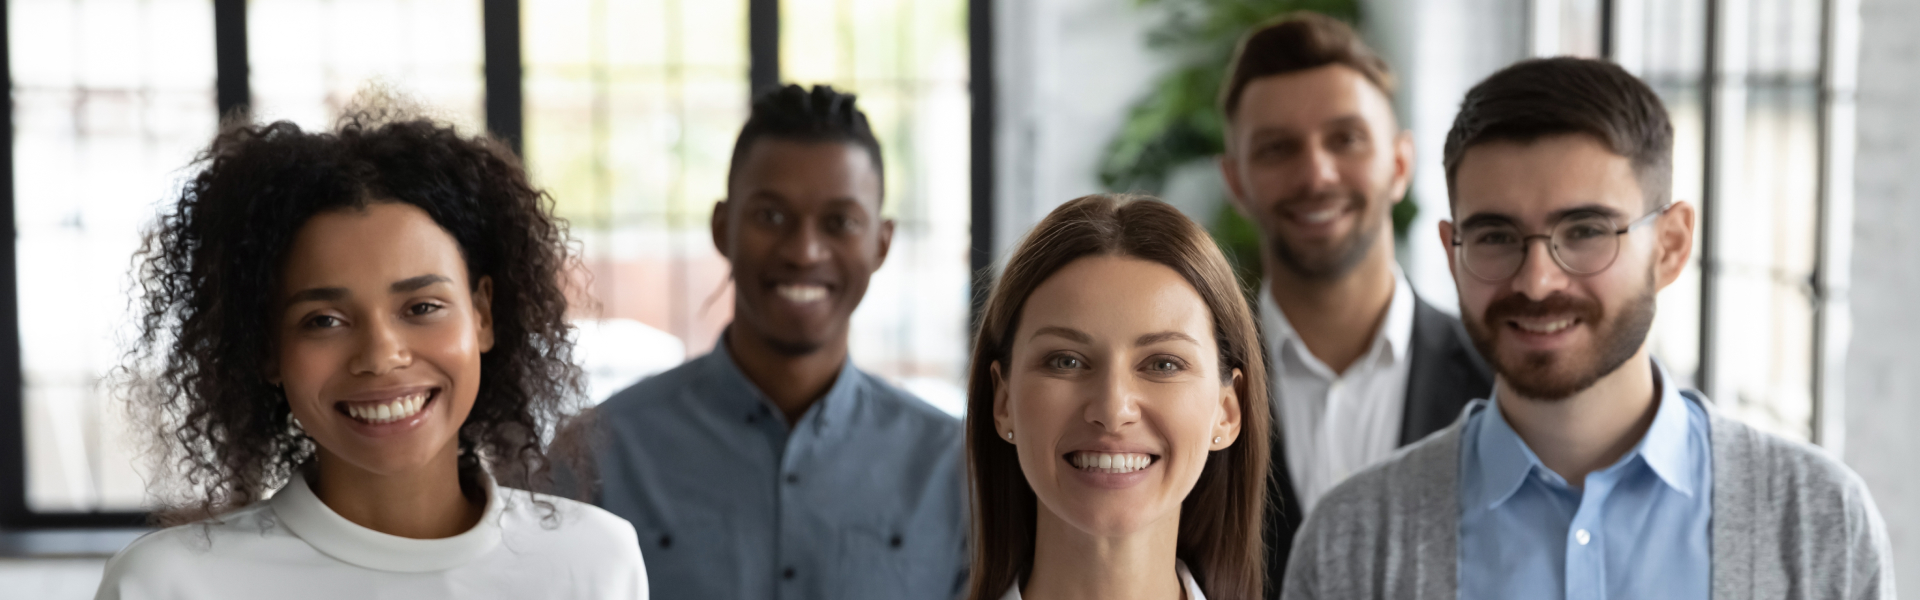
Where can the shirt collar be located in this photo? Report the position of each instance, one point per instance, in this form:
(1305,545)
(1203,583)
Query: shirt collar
(1668,447)
(738,392)
(1187,583)
(1504,460)
(1396,332)
(310,519)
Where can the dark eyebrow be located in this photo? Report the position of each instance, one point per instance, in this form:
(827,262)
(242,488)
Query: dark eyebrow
(419,281)
(1600,209)
(317,295)
(1155,338)
(1071,334)
(766,195)
(1479,220)
(1350,119)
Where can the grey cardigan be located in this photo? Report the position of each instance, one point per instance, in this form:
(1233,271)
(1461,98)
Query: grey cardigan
(1789,522)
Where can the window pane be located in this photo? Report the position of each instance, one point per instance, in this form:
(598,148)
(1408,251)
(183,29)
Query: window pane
(111,99)
(1768,225)
(1565,27)
(307,58)
(631,109)
(907,61)
(1671,58)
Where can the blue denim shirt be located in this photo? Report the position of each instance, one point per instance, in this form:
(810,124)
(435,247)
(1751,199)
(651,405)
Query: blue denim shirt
(1636,529)
(863,498)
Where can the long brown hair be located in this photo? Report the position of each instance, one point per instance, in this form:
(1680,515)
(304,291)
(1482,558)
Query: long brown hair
(1220,519)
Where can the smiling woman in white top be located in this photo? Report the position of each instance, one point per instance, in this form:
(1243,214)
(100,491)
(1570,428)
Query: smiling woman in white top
(346,335)
(1117,414)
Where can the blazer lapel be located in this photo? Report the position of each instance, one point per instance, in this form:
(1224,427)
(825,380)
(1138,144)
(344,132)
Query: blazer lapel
(1445,373)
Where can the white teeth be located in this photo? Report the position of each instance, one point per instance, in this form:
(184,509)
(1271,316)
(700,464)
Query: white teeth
(1552,327)
(801,294)
(390,411)
(1103,462)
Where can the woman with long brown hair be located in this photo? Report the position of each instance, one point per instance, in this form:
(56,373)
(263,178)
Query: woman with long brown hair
(1117,414)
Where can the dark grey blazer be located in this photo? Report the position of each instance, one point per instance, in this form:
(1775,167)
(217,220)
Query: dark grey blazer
(1444,375)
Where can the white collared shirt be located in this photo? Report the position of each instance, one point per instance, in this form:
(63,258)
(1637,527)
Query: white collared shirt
(293,546)
(1186,582)
(1337,424)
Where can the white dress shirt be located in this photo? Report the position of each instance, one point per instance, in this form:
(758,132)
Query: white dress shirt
(294,547)
(1186,582)
(1336,424)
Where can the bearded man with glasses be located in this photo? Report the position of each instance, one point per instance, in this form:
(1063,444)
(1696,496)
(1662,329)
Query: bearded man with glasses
(1589,473)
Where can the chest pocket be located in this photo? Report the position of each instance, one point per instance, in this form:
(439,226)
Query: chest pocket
(878,561)
(693,557)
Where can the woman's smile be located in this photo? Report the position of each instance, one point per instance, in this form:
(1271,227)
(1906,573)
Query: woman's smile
(1111,470)
(390,412)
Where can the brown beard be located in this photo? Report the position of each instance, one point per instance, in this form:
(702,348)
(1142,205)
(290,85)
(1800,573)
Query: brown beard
(1555,376)
(1343,256)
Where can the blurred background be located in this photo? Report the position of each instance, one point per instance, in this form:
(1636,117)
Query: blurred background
(1793,137)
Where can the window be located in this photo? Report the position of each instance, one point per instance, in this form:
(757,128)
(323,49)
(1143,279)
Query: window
(308,58)
(112,98)
(631,112)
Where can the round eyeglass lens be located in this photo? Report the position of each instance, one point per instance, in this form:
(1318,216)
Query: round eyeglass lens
(1585,244)
(1493,253)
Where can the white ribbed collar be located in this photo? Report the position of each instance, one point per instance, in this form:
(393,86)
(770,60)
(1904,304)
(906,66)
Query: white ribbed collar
(333,535)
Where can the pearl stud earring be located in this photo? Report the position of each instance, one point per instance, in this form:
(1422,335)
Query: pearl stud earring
(1216,439)
(1009,435)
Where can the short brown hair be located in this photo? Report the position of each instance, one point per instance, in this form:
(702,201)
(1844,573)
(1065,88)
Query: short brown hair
(1300,41)
(1220,520)
(1537,98)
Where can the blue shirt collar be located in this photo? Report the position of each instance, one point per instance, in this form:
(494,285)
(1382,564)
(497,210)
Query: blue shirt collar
(738,393)
(1505,460)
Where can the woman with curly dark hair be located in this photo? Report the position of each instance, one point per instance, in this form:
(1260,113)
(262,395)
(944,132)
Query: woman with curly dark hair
(346,337)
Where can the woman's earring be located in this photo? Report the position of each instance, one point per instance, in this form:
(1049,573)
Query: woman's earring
(1009,435)
(1216,439)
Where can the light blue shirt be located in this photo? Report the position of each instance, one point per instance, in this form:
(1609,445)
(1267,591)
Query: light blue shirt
(1637,529)
(864,498)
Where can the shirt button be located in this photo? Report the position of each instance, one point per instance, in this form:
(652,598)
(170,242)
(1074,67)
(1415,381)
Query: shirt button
(787,574)
(666,541)
(792,478)
(1582,536)
(751,419)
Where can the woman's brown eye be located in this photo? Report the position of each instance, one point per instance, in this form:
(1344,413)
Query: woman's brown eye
(422,308)
(323,322)
(1165,366)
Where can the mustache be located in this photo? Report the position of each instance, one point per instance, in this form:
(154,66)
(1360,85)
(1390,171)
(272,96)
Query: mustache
(1518,305)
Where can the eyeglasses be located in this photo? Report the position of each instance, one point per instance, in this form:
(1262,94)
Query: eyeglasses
(1581,243)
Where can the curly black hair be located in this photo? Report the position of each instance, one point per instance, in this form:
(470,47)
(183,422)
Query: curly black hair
(209,272)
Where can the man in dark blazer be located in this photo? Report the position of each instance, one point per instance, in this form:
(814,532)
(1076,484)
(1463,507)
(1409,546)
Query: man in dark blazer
(1358,365)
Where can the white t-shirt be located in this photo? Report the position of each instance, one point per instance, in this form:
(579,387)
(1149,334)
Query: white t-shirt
(294,547)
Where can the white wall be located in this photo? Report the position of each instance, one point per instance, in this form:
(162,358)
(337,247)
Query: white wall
(1883,370)
(1067,70)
